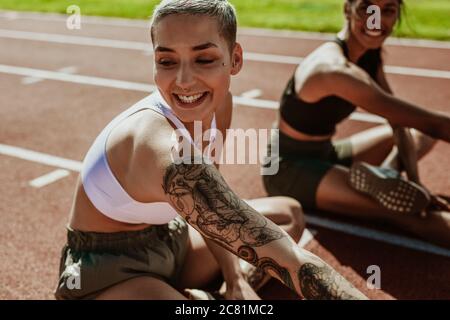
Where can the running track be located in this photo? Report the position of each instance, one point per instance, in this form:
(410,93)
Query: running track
(59,87)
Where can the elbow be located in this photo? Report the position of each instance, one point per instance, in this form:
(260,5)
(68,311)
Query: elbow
(439,127)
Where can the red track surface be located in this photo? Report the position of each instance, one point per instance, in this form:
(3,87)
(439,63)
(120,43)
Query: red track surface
(62,119)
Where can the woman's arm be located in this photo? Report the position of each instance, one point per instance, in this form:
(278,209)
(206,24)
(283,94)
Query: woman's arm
(199,193)
(353,84)
(403,139)
(237,287)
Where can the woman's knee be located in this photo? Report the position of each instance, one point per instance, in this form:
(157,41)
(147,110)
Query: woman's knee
(293,209)
(423,143)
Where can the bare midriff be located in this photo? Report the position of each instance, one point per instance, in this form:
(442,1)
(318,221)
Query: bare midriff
(85,217)
(286,129)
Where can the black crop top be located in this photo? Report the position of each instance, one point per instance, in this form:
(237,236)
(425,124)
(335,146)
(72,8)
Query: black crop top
(321,117)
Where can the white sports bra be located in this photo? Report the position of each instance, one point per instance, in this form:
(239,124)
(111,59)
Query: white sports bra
(102,187)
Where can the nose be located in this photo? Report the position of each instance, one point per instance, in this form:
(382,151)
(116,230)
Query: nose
(185,77)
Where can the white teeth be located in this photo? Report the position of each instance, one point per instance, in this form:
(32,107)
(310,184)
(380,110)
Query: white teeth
(190,99)
(374,33)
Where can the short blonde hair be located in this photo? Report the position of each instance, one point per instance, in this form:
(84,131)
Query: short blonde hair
(221,10)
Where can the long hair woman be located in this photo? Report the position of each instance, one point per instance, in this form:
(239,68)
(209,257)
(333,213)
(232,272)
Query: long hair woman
(358,176)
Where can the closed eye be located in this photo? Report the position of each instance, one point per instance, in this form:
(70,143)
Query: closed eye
(205,61)
(166,63)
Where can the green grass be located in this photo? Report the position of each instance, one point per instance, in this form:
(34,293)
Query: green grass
(424,18)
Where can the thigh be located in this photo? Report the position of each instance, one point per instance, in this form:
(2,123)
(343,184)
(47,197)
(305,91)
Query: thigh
(141,288)
(298,179)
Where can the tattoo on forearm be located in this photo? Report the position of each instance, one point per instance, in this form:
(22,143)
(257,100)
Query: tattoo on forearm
(266,264)
(221,214)
(323,283)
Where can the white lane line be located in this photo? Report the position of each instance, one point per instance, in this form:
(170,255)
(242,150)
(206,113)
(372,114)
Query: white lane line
(253,94)
(76,40)
(49,178)
(302,35)
(417,72)
(142,87)
(39,157)
(30,80)
(93,20)
(367,117)
(376,235)
(307,236)
(272,58)
(59,76)
(256,32)
(146,49)
(33,80)
(346,228)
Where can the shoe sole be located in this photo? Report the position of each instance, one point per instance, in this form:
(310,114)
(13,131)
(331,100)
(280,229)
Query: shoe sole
(394,194)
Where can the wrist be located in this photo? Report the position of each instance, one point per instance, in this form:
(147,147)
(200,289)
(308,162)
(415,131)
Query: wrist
(233,277)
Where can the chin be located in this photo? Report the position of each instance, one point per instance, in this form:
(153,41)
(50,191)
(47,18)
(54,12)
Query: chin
(371,39)
(191,115)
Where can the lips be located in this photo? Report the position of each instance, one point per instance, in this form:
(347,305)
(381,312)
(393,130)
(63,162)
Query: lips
(190,101)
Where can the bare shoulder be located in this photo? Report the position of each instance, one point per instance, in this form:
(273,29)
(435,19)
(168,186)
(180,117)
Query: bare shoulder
(328,56)
(139,150)
(325,59)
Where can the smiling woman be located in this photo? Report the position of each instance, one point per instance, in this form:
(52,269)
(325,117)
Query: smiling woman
(151,226)
(328,174)
(194,70)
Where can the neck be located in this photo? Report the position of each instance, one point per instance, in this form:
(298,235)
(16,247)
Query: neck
(205,125)
(355,49)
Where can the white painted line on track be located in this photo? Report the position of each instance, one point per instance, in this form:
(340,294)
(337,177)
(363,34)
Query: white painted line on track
(302,35)
(40,157)
(75,40)
(33,80)
(272,58)
(253,94)
(417,72)
(307,236)
(142,87)
(94,81)
(346,228)
(92,20)
(376,235)
(146,49)
(255,32)
(49,178)
(30,80)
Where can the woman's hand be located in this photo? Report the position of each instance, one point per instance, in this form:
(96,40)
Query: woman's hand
(438,203)
(238,289)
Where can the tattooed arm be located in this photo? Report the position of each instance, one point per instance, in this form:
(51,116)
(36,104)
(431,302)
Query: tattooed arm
(199,193)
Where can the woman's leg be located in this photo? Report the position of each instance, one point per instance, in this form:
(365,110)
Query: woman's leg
(375,145)
(334,194)
(284,211)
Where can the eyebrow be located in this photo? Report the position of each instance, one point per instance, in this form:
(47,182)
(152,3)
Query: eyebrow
(200,47)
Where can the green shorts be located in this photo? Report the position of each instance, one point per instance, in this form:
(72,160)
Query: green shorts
(92,262)
(302,165)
